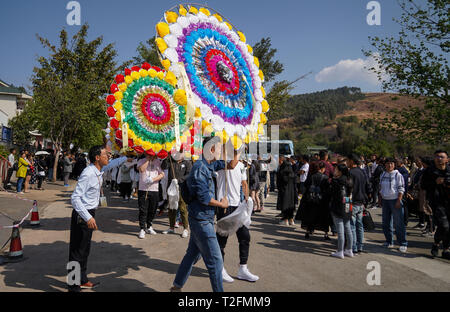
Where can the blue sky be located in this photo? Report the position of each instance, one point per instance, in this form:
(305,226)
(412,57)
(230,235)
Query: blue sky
(310,35)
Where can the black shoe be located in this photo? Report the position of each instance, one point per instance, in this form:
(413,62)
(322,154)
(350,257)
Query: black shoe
(419,226)
(307,235)
(326,237)
(446,254)
(435,250)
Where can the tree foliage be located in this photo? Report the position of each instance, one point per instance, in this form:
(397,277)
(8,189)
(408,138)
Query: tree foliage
(415,63)
(22,124)
(265,53)
(68,90)
(147,52)
(306,108)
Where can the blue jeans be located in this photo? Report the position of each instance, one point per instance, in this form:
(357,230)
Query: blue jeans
(20,184)
(344,232)
(393,217)
(357,227)
(50,173)
(202,242)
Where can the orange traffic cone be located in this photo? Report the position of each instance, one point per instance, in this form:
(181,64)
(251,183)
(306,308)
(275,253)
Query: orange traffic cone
(15,248)
(35,215)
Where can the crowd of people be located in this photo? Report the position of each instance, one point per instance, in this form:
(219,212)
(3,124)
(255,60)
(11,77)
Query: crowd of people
(334,197)
(214,193)
(33,168)
(326,196)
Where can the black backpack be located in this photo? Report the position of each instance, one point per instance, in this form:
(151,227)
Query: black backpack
(186,194)
(315,192)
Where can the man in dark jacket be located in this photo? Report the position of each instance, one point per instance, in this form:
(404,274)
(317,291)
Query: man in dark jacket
(181,168)
(376,180)
(359,199)
(436,182)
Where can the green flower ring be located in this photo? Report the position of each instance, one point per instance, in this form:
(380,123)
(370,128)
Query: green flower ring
(146,99)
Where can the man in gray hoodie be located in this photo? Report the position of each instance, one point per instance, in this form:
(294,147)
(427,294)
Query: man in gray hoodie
(392,188)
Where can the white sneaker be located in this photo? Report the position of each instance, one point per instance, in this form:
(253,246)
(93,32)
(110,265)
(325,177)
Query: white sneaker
(151,231)
(348,253)
(338,254)
(291,222)
(244,274)
(284,222)
(169,231)
(226,277)
(142,234)
(185,233)
(177,224)
(403,249)
(387,245)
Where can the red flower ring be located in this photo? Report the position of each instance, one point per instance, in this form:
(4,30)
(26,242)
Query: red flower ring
(212,58)
(150,98)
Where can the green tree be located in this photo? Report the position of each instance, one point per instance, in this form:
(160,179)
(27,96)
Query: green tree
(69,87)
(265,53)
(22,124)
(277,98)
(415,63)
(147,52)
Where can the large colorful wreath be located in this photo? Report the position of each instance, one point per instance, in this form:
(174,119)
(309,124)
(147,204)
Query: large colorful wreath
(224,75)
(145,99)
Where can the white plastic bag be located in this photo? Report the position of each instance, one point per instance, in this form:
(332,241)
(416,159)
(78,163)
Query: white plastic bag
(240,217)
(173,194)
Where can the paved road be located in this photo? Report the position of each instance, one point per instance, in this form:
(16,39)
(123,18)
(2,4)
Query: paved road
(280,255)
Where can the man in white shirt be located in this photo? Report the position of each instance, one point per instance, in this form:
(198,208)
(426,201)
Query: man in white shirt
(85,199)
(11,161)
(304,173)
(235,178)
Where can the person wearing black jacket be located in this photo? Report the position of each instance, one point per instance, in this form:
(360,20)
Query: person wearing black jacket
(314,211)
(436,182)
(286,191)
(179,170)
(40,169)
(254,183)
(405,174)
(375,179)
(341,188)
(359,198)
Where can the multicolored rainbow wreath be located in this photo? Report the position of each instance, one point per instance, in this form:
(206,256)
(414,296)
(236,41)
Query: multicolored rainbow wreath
(143,107)
(224,75)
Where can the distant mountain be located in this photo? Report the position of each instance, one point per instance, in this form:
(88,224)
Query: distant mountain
(329,105)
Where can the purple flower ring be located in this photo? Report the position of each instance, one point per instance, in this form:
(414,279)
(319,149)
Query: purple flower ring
(224,75)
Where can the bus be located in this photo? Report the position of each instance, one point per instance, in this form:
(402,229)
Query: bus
(266,148)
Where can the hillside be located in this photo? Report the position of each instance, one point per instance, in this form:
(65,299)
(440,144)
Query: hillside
(373,105)
(334,118)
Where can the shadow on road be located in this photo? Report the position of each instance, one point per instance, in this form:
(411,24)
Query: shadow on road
(111,261)
(291,239)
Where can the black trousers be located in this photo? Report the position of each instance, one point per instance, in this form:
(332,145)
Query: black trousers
(242,234)
(80,244)
(125,189)
(148,203)
(8,177)
(40,179)
(442,220)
